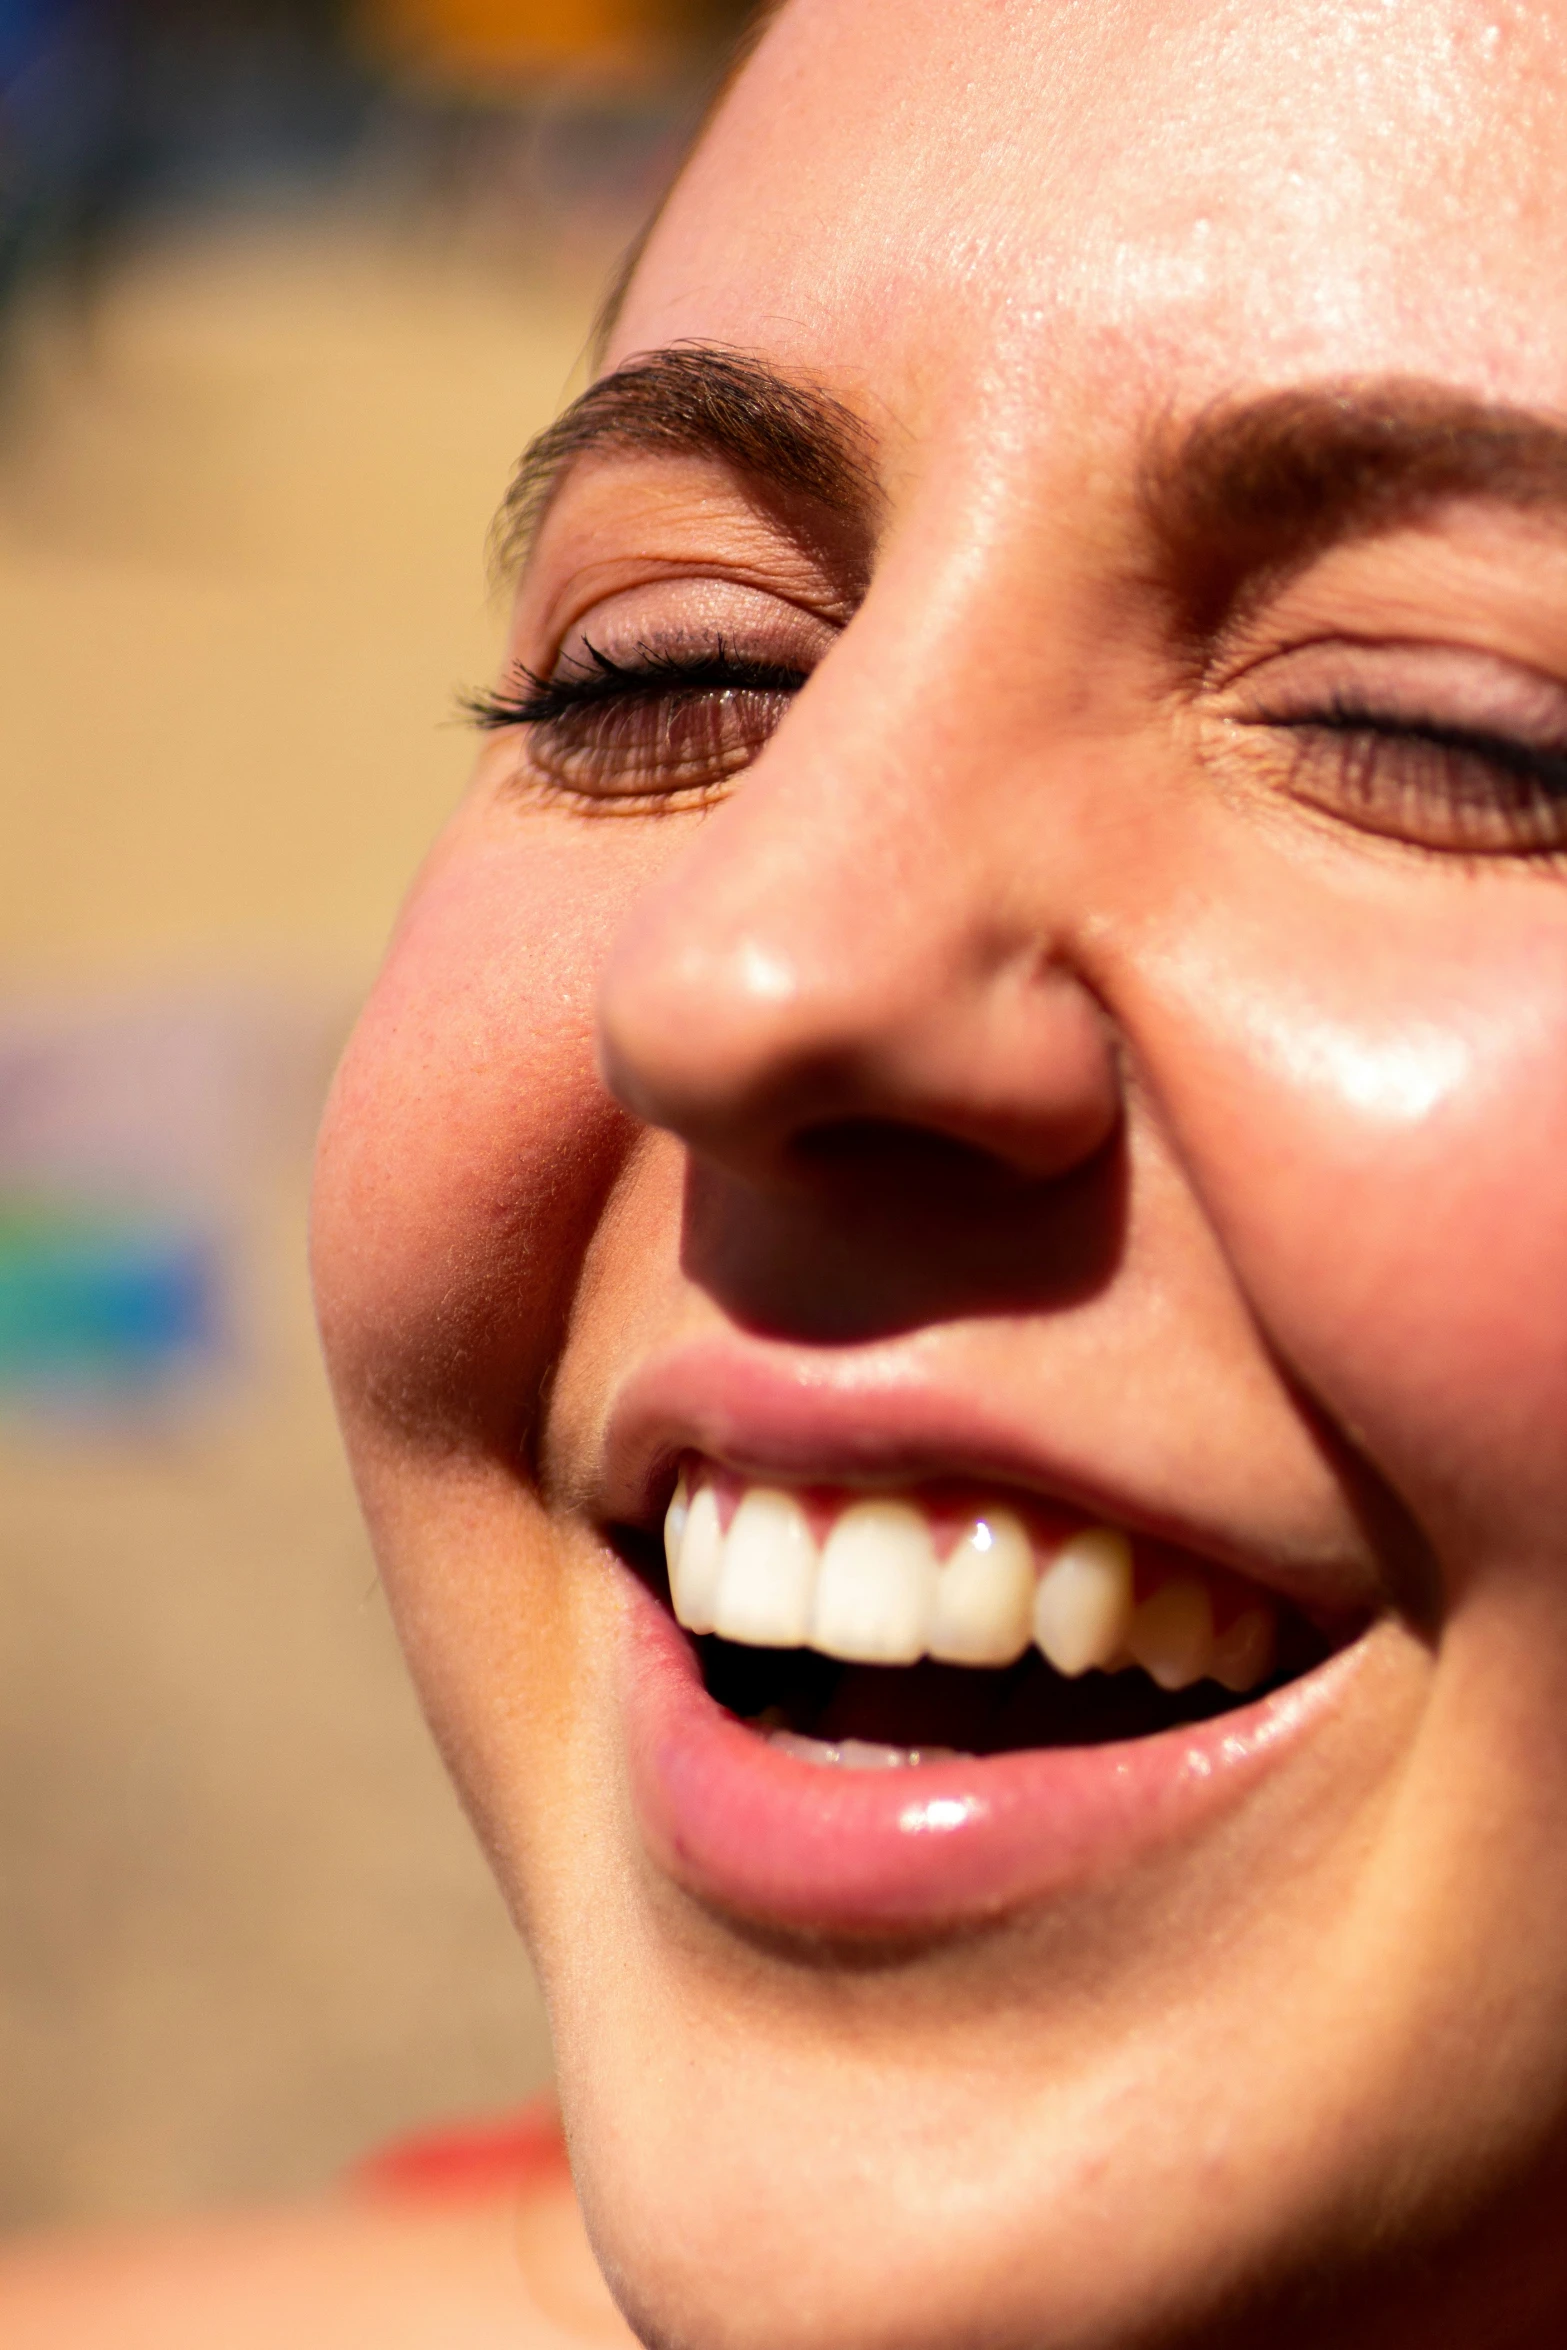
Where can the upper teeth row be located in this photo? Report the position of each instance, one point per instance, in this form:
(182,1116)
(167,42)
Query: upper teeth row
(876,1592)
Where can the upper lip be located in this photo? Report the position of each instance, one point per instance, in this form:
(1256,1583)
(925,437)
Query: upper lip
(878,1417)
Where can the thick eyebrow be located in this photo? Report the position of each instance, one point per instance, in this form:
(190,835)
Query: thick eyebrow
(1251,491)
(697,399)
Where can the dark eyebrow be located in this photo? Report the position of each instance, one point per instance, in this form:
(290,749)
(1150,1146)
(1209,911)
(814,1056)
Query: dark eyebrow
(1251,491)
(698,399)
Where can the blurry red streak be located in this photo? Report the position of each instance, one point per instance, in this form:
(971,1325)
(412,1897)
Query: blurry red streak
(470,2158)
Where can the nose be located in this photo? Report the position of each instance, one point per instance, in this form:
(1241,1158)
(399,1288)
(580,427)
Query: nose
(854,945)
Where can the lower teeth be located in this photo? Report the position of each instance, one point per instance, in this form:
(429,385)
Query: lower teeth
(856,1754)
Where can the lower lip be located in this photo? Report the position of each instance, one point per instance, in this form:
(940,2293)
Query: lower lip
(760,1833)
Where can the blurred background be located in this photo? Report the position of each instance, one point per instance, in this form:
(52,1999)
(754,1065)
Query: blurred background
(284,288)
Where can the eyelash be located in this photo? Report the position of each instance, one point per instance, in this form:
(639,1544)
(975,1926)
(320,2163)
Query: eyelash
(716,669)
(1439,786)
(670,727)
(682,721)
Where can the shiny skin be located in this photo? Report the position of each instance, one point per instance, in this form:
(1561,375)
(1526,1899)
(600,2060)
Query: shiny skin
(998,882)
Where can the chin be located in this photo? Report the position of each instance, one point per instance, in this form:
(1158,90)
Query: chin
(935,2004)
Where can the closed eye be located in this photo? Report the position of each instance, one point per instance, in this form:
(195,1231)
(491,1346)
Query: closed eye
(590,680)
(1436,785)
(1531,765)
(666,725)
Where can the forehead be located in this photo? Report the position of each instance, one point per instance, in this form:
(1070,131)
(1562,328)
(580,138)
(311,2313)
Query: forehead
(963,204)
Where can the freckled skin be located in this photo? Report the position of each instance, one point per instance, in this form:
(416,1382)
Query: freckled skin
(1306,2081)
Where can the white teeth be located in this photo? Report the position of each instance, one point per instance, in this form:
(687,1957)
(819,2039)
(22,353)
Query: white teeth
(694,1547)
(675,1517)
(855,1754)
(985,1595)
(768,1572)
(877,1594)
(1243,1651)
(1172,1633)
(877,1587)
(1083,1605)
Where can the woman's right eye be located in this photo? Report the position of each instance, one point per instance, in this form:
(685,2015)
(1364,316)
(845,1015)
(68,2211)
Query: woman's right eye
(653,730)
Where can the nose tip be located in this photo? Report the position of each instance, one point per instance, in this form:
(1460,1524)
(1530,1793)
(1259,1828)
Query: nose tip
(695,1033)
(756,1033)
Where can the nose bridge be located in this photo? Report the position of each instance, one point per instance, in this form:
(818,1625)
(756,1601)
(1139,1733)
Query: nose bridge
(852,938)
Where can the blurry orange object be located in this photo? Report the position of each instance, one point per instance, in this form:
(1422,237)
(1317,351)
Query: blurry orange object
(467,2236)
(467,39)
(477,2158)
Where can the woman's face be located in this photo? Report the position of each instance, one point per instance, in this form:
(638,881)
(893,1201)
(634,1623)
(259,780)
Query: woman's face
(1012,980)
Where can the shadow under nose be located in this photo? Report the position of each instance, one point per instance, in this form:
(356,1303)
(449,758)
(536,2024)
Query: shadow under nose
(884,1228)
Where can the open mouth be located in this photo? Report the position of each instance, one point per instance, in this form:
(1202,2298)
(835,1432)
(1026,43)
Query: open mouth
(908,1703)
(872,1631)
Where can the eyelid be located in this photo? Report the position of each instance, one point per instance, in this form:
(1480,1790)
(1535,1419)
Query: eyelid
(1483,583)
(642,738)
(736,597)
(762,629)
(1461,685)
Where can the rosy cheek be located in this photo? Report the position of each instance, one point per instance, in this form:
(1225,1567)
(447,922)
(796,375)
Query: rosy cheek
(469,1143)
(1387,1163)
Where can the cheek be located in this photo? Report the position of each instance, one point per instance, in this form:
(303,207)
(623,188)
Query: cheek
(1386,1159)
(469,1144)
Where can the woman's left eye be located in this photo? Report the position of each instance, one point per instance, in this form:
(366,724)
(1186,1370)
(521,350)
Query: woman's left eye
(1443,745)
(1462,788)
(652,730)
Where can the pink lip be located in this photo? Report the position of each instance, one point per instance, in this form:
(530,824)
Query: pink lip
(761,1833)
(877,1417)
(773,1411)
(794,1844)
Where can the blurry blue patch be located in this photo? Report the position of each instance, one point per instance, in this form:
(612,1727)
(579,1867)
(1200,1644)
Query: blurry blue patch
(91,1302)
